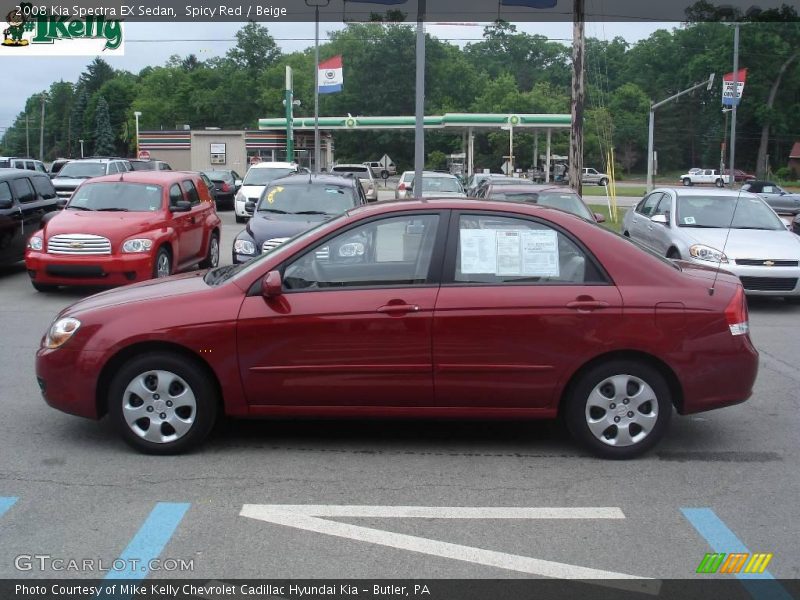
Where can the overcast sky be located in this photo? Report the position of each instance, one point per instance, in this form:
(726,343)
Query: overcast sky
(24,76)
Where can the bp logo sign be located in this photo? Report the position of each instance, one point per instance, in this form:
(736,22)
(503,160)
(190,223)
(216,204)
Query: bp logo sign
(513,120)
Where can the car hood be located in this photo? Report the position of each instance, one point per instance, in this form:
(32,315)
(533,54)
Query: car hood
(116,226)
(748,243)
(263,228)
(152,289)
(252,191)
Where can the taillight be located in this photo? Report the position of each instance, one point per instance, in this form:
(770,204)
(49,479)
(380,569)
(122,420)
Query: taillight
(402,187)
(225,187)
(736,313)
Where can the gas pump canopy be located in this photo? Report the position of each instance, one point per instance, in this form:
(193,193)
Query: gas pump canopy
(459,123)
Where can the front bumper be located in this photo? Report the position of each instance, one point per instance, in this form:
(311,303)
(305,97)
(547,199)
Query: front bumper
(92,270)
(760,280)
(68,380)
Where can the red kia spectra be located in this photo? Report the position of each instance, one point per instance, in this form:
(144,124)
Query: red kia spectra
(124,228)
(437,308)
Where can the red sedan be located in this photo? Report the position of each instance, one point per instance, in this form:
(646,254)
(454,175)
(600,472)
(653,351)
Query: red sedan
(125,228)
(435,308)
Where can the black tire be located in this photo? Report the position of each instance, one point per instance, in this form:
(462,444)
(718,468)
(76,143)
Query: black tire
(687,182)
(719,183)
(163,256)
(44,287)
(659,407)
(673,254)
(603,182)
(241,219)
(176,367)
(211,260)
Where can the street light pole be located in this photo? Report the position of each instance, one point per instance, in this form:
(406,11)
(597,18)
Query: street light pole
(735,103)
(81,142)
(650,134)
(419,86)
(316,4)
(136,115)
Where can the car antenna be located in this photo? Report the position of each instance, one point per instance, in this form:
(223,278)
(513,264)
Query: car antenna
(724,244)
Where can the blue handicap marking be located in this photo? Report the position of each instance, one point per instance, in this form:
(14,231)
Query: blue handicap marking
(722,539)
(150,540)
(6,502)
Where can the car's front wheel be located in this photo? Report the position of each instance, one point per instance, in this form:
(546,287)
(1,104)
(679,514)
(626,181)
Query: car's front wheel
(687,182)
(619,409)
(603,182)
(163,264)
(719,183)
(162,403)
(212,258)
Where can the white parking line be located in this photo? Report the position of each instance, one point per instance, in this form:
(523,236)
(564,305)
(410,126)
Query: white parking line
(314,518)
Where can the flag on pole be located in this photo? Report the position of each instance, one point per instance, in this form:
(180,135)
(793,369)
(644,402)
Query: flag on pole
(727,88)
(331,79)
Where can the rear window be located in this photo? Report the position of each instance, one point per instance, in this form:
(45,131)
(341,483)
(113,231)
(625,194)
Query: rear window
(44,187)
(264,175)
(5,164)
(119,196)
(143,166)
(219,176)
(359,171)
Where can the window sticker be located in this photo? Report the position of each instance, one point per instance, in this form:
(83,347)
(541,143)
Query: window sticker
(152,188)
(510,252)
(478,251)
(689,220)
(271,195)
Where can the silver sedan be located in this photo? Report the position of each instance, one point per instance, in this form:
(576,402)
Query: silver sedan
(737,232)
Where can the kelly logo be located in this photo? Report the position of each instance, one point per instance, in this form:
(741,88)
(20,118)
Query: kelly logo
(37,31)
(736,562)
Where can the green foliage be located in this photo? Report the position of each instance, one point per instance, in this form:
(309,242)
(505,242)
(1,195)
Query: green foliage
(104,143)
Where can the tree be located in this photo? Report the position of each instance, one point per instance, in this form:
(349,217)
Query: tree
(629,107)
(103,133)
(96,74)
(255,48)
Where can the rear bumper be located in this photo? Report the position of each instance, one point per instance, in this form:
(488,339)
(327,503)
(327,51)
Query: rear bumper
(88,270)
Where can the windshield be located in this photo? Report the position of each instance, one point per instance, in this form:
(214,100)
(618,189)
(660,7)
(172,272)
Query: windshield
(117,196)
(441,184)
(570,203)
(79,170)
(310,198)
(264,175)
(718,212)
(219,176)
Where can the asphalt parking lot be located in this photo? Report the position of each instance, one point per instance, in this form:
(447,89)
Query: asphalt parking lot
(319,499)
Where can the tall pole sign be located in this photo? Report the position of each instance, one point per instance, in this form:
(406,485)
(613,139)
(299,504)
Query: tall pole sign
(289,101)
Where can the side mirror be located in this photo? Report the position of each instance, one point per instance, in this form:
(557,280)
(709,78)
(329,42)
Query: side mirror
(662,219)
(62,202)
(250,207)
(272,285)
(237,184)
(181,206)
(599,218)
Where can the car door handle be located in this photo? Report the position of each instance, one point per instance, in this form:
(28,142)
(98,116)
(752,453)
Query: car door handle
(398,308)
(587,305)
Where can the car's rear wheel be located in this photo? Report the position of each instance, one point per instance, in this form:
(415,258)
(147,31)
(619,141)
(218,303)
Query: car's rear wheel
(212,258)
(44,287)
(619,409)
(162,403)
(687,182)
(719,183)
(163,264)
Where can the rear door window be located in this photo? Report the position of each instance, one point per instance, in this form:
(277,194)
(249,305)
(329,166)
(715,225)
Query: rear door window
(23,190)
(175,195)
(191,192)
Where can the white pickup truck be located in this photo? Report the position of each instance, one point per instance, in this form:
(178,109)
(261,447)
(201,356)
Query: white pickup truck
(699,176)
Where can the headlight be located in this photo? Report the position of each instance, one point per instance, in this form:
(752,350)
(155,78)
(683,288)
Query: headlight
(137,245)
(240,197)
(701,252)
(35,243)
(60,332)
(244,247)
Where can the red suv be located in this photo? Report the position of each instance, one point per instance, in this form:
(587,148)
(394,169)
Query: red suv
(124,228)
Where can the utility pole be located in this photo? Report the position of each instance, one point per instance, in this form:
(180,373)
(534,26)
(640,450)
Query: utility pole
(578,96)
(289,100)
(316,4)
(419,128)
(41,131)
(735,102)
(27,136)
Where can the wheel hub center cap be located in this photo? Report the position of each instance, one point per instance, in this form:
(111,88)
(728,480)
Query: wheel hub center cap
(159,405)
